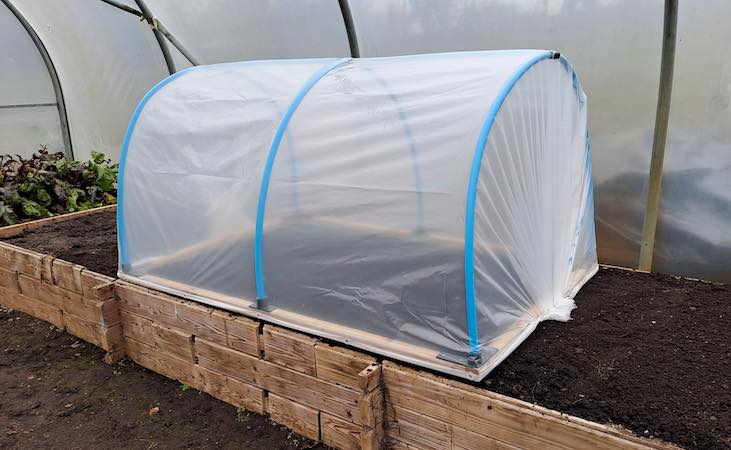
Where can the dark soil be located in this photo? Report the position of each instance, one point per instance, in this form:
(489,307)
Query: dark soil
(56,393)
(89,240)
(649,352)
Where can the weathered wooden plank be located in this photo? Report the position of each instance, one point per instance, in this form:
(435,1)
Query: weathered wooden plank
(417,429)
(151,358)
(146,303)
(339,433)
(370,378)
(395,444)
(96,286)
(139,352)
(512,422)
(9,280)
(32,306)
(302,388)
(372,406)
(340,365)
(67,275)
(174,342)
(18,229)
(43,292)
(108,338)
(21,260)
(372,417)
(137,327)
(200,321)
(467,440)
(373,438)
(303,420)
(227,361)
(104,313)
(230,390)
(243,335)
(308,390)
(289,349)
(47,269)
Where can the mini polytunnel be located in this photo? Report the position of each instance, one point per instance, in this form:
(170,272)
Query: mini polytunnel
(429,208)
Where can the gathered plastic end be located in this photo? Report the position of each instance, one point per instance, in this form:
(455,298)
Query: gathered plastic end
(561,311)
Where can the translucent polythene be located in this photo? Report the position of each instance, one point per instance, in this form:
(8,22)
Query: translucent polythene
(105,60)
(359,172)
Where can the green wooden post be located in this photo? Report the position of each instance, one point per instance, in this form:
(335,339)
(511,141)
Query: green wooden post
(667,66)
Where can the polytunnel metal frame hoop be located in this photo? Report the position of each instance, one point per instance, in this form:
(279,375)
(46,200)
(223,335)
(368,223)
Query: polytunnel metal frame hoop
(474,355)
(266,176)
(53,75)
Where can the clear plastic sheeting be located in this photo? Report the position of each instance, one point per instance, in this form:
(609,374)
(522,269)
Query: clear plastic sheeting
(432,208)
(23,78)
(105,59)
(694,228)
(234,30)
(615,46)
(28,113)
(25,130)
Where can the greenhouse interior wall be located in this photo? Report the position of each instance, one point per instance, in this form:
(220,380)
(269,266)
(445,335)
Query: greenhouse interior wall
(105,59)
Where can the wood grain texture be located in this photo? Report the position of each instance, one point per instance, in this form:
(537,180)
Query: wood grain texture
(418,430)
(302,388)
(105,313)
(497,417)
(467,440)
(289,349)
(146,303)
(31,306)
(9,280)
(309,391)
(174,342)
(229,362)
(67,275)
(230,390)
(200,321)
(96,286)
(339,433)
(21,260)
(370,378)
(243,334)
(340,365)
(301,419)
(45,293)
(151,358)
(372,417)
(108,338)
(137,327)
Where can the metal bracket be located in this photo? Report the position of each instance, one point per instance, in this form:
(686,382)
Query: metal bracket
(262,305)
(474,360)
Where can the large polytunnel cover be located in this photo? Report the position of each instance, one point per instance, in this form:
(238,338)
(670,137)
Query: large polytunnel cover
(431,208)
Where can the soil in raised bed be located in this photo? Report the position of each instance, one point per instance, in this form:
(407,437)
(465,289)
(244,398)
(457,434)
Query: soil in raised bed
(89,240)
(55,392)
(649,352)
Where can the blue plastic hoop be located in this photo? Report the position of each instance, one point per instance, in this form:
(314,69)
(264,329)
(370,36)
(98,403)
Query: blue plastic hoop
(264,188)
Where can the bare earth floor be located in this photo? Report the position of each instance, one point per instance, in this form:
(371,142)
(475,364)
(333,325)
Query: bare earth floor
(649,352)
(56,393)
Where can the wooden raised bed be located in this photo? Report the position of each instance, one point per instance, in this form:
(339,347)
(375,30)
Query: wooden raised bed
(325,392)
(14,230)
